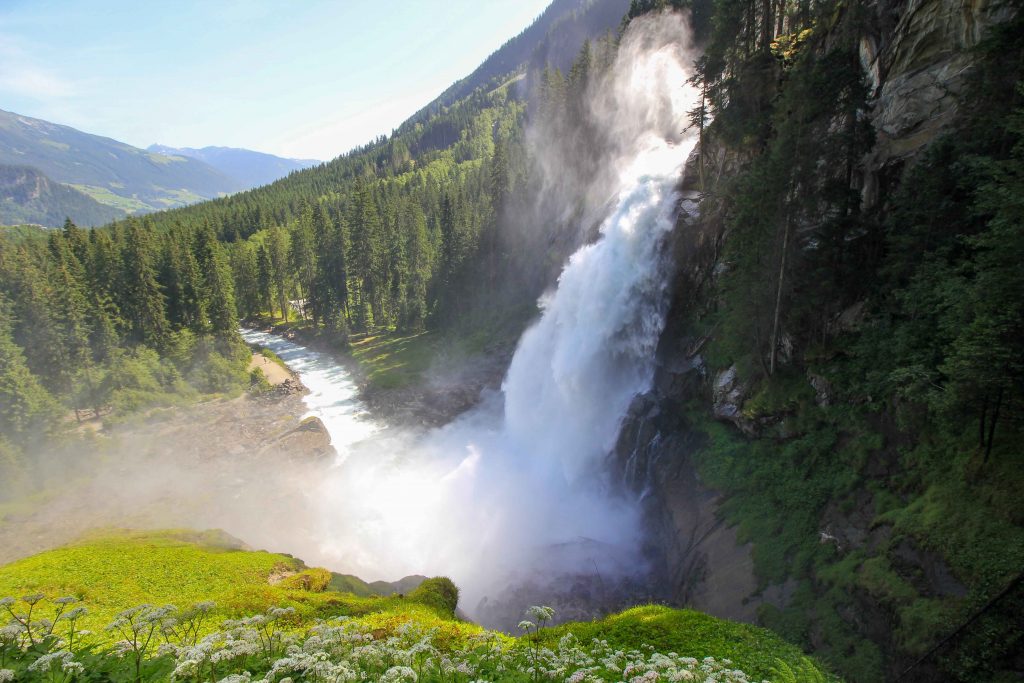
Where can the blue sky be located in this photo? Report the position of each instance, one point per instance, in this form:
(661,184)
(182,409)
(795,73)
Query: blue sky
(298,78)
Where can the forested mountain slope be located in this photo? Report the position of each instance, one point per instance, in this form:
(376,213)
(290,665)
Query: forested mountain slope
(553,39)
(111,172)
(29,197)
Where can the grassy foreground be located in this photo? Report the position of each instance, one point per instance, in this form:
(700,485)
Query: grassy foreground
(245,614)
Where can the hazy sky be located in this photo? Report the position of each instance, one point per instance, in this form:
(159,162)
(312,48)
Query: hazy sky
(298,78)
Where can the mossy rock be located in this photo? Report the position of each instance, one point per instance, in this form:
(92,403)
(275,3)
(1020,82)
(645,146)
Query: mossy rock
(315,580)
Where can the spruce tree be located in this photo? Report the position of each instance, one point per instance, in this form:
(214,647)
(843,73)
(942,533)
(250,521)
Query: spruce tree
(143,302)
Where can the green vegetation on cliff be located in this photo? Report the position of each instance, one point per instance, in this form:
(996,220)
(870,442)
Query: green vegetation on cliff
(283,619)
(871,310)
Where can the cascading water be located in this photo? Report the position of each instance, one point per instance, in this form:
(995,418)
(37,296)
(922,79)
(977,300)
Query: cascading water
(517,485)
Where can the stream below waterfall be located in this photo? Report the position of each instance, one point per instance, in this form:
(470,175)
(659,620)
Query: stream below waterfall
(333,395)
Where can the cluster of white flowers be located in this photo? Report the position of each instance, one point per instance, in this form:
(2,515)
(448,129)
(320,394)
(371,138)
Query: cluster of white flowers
(27,628)
(260,649)
(345,650)
(60,662)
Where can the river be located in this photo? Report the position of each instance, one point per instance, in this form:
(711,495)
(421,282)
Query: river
(333,394)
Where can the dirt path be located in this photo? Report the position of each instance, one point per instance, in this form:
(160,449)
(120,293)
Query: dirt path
(274,373)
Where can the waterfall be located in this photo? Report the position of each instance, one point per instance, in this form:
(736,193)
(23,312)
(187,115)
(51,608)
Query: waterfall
(517,487)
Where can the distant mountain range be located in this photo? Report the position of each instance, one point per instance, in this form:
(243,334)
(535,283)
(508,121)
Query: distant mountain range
(49,172)
(250,168)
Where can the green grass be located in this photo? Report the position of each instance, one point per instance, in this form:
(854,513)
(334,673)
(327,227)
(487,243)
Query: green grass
(392,361)
(57,145)
(104,196)
(165,159)
(172,198)
(23,233)
(114,570)
(117,569)
(754,650)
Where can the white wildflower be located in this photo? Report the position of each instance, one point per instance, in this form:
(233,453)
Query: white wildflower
(243,677)
(397,674)
(541,613)
(61,659)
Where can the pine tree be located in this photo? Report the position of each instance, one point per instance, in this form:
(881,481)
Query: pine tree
(143,302)
(364,262)
(264,279)
(218,286)
(302,257)
(277,250)
(418,266)
(242,258)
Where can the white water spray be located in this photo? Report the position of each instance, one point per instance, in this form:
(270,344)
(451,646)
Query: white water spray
(510,486)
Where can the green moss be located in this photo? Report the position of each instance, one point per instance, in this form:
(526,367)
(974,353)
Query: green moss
(438,592)
(785,393)
(879,579)
(315,580)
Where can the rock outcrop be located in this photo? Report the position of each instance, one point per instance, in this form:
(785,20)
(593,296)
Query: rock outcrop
(309,439)
(916,59)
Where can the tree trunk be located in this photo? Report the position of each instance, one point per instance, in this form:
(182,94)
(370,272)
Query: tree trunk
(982,422)
(778,301)
(992,425)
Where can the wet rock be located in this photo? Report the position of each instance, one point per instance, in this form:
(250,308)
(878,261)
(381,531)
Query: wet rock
(310,438)
(696,557)
(823,392)
(729,392)
(289,387)
(708,568)
(926,570)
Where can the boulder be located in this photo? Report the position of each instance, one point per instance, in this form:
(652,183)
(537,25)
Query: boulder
(310,438)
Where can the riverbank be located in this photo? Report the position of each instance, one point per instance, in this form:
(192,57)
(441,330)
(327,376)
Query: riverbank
(422,379)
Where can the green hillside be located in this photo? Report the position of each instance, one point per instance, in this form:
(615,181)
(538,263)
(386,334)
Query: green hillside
(211,609)
(29,197)
(109,171)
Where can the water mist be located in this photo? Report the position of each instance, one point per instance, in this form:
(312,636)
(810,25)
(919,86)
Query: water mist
(517,487)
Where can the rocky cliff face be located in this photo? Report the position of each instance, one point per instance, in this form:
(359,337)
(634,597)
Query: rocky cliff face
(915,56)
